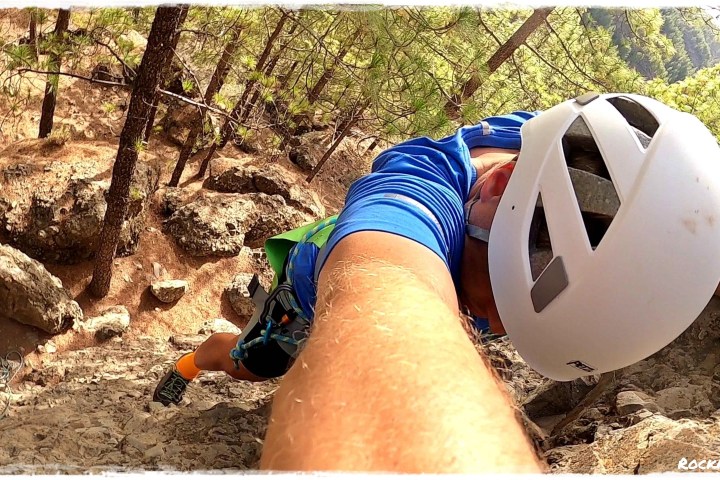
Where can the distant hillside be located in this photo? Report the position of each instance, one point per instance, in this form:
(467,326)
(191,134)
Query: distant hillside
(670,44)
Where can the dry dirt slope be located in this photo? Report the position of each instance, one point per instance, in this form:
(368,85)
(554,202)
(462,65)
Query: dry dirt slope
(91,410)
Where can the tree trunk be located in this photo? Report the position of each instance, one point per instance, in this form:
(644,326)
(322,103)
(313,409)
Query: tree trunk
(452,107)
(317,89)
(51,86)
(346,129)
(32,35)
(216,82)
(167,62)
(238,109)
(241,109)
(164,27)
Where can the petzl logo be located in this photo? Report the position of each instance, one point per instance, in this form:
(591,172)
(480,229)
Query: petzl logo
(580,365)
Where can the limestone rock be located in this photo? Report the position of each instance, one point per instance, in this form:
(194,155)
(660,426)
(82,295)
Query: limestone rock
(30,294)
(271,180)
(169,291)
(110,323)
(221,223)
(239,295)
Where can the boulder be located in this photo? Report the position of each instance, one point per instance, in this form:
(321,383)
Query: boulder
(175,197)
(554,398)
(272,180)
(112,322)
(631,401)
(656,444)
(239,296)
(64,228)
(169,291)
(222,223)
(31,295)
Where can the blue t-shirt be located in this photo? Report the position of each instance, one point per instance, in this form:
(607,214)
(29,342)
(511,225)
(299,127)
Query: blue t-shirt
(416,189)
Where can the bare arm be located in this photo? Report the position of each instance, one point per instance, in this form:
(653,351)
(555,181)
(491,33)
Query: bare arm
(389,379)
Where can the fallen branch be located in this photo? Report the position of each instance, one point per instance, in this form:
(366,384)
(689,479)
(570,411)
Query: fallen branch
(605,382)
(200,105)
(74,75)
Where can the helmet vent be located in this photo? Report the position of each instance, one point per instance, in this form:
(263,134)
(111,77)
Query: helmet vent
(539,244)
(643,122)
(597,197)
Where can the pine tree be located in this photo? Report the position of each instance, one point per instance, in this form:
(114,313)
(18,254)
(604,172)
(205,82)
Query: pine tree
(55,59)
(153,66)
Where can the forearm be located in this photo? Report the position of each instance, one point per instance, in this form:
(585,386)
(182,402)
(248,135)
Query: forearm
(379,389)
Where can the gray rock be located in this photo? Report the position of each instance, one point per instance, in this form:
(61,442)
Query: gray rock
(110,323)
(174,197)
(239,295)
(220,224)
(169,291)
(29,294)
(64,228)
(553,398)
(681,398)
(632,401)
(271,180)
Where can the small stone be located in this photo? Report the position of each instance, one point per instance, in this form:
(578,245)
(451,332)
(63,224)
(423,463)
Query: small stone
(50,347)
(169,291)
(158,270)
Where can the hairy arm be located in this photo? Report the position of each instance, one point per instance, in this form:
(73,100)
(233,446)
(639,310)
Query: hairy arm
(389,380)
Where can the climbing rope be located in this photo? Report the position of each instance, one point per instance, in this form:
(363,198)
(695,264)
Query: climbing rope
(7,374)
(239,353)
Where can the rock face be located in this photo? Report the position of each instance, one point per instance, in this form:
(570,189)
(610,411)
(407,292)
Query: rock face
(656,444)
(169,291)
(271,180)
(112,322)
(221,223)
(30,294)
(63,228)
(239,295)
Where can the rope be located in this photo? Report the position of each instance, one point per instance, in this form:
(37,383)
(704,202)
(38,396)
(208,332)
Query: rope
(291,261)
(7,374)
(239,353)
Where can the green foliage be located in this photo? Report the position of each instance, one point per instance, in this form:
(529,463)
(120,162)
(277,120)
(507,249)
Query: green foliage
(406,62)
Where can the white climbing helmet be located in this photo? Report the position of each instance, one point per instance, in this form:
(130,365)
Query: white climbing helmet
(628,273)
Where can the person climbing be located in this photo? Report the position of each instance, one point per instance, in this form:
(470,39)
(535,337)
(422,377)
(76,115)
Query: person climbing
(502,218)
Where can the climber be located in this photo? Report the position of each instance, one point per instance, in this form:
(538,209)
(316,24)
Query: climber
(388,380)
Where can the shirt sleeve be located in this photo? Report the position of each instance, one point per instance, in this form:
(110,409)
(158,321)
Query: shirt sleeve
(416,190)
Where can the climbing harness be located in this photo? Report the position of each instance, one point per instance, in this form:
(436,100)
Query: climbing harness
(7,374)
(284,319)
